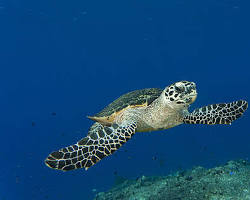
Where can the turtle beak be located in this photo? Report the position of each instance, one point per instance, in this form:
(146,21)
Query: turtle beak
(192,92)
(193,96)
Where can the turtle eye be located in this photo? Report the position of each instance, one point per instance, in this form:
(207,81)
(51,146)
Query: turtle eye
(179,89)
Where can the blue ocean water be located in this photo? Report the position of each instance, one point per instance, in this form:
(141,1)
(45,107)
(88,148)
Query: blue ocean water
(63,60)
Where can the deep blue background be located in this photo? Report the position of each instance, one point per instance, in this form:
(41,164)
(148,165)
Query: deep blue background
(75,57)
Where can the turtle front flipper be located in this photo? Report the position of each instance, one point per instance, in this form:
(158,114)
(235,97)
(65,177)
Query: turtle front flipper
(222,113)
(100,142)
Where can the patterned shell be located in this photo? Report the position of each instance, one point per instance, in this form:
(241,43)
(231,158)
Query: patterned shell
(134,98)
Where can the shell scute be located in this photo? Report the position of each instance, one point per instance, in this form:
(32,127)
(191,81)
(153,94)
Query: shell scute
(135,98)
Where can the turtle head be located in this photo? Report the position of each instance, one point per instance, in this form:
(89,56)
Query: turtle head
(181,93)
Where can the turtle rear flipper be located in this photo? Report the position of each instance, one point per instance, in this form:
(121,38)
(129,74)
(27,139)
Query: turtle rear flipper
(100,142)
(222,113)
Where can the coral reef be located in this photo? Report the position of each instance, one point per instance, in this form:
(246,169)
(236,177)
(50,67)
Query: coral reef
(228,182)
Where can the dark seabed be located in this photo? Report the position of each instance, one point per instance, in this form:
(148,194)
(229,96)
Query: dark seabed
(61,61)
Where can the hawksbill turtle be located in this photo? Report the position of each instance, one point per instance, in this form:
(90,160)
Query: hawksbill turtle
(141,111)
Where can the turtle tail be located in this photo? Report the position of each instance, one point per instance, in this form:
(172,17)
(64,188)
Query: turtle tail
(222,113)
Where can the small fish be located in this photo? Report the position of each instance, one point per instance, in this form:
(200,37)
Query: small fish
(154,158)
